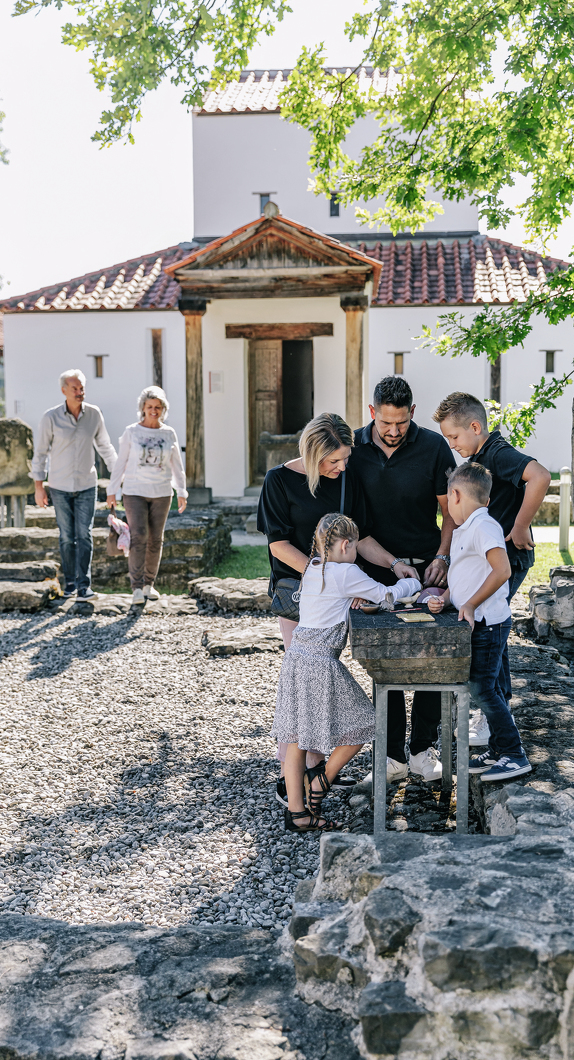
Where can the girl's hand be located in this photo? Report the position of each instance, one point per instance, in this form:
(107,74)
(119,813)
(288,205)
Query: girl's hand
(358,603)
(467,611)
(181,504)
(111,500)
(436,603)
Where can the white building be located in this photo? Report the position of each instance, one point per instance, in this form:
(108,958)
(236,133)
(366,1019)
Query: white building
(273,315)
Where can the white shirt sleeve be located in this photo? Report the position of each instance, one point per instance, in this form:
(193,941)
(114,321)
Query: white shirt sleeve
(43,442)
(121,463)
(488,534)
(177,469)
(356,583)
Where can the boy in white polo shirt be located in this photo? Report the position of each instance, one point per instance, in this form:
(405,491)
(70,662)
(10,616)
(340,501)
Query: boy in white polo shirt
(478,587)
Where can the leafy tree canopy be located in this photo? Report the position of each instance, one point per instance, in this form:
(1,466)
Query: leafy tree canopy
(478,92)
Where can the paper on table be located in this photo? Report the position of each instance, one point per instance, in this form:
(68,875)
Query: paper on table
(415,617)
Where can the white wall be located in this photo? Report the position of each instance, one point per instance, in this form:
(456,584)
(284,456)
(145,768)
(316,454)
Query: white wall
(432,378)
(39,346)
(226,422)
(235,155)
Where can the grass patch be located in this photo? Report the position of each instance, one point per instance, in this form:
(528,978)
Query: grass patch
(248,561)
(547,555)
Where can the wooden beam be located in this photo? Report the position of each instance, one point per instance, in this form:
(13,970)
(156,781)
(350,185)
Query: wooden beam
(268,272)
(277,331)
(194,442)
(354,308)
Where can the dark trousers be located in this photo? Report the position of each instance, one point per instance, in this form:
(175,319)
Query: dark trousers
(425,715)
(486,688)
(514,583)
(146,519)
(75,519)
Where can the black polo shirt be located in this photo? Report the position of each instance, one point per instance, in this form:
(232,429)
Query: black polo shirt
(506,465)
(289,512)
(402,489)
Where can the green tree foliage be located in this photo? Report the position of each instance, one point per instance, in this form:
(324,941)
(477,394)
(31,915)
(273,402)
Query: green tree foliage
(476,93)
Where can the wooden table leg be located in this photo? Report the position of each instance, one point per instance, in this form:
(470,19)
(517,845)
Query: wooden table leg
(380,766)
(462,761)
(446,740)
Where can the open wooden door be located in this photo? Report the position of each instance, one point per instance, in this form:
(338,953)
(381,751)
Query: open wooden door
(265,399)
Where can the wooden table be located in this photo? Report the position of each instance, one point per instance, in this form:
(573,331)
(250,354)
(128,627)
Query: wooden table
(429,656)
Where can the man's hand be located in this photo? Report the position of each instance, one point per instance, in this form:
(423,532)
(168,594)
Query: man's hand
(436,603)
(181,504)
(111,500)
(403,571)
(436,574)
(467,611)
(41,497)
(521,537)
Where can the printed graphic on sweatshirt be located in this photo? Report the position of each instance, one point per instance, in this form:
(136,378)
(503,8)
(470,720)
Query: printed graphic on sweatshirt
(154,452)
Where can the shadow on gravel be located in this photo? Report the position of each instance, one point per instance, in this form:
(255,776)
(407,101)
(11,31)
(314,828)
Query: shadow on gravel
(70,644)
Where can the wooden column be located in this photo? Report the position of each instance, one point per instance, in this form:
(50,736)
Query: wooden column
(193,310)
(354,307)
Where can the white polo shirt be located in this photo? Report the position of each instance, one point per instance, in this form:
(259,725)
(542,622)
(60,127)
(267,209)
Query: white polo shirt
(469,567)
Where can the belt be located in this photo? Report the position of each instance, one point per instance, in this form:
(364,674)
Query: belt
(412,561)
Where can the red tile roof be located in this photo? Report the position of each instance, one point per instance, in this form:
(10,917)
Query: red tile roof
(479,270)
(416,272)
(139,283)
(257,91)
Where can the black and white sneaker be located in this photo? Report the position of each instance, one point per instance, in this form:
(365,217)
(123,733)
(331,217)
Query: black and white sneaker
(69,591)
(281,793)
(86,594)
(480,763)
(508,767)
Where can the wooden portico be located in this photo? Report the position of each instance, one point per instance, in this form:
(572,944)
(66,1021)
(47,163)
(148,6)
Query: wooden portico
(272,258)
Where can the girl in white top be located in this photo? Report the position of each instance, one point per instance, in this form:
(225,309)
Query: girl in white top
(149,462)
(319,703)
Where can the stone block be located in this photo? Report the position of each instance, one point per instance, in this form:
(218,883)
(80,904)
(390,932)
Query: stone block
(32,571)
(27,596)
(548,512)
(389,919)
(323,956)
(232,594)
(263,637)
(305,914)
(387,1016)
(477,956)
(16,452)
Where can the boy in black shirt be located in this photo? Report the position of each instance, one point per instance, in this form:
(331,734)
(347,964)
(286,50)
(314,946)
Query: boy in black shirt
(519,485)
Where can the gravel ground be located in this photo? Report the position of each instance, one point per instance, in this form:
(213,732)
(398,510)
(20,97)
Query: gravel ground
(139,776)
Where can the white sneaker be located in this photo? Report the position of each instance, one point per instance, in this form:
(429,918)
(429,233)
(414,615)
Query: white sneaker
(479,731)
(138,597)
(426,765)
(396,771)
(150,592)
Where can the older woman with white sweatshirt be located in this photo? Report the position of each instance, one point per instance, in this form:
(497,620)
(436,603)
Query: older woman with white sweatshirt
(149,464)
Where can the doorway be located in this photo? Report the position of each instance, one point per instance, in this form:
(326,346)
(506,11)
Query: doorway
(280,394)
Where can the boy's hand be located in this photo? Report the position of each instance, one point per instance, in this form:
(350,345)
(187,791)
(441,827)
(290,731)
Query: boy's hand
(436,603)
(467,612)
(521,537)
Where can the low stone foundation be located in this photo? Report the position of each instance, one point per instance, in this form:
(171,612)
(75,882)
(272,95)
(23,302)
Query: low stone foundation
(443,947)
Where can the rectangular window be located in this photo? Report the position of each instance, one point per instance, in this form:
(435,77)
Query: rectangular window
(157,356)
(18,408)
(399,363)
(334,205)
(550,361)
(263,200)
(99,366)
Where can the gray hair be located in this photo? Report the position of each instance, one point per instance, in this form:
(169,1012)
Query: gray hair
(153,392)
(72,373)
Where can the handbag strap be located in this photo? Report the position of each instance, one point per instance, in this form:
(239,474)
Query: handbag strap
(342,504)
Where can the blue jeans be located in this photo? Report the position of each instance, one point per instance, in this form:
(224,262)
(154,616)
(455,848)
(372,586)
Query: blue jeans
(75,519)
(488,644)
(514,583)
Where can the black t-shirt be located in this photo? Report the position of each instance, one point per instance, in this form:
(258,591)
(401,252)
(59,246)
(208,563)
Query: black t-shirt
(289,512)
(506,466)
(402,489)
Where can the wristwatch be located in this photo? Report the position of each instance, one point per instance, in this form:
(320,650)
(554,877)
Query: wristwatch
(446,559)
(394,563)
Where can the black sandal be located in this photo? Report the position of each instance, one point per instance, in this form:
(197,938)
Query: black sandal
(313,799)
(314,822)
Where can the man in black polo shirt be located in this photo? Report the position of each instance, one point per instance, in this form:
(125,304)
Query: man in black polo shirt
(403,469)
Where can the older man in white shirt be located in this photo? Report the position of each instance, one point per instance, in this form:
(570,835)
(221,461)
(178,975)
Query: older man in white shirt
(67,436)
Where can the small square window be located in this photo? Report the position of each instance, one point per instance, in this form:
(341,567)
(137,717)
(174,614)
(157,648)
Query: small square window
(334,205)
(550,361)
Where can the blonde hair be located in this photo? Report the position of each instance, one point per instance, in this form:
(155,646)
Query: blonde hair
(321,437)
(153,393)
(332,527)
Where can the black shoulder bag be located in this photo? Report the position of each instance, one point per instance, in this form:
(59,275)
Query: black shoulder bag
(285,600)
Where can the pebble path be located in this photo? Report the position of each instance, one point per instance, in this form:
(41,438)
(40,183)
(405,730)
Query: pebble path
(138,776)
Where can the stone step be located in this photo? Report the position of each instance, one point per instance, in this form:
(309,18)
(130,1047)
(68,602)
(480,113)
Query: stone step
(32,571)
